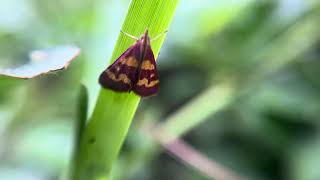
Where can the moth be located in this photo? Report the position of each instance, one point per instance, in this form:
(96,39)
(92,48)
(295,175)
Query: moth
(135,70)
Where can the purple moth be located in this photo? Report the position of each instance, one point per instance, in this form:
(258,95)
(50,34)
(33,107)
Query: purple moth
(135,70)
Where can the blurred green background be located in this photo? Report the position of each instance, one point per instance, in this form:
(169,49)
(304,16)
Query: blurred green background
(267,50)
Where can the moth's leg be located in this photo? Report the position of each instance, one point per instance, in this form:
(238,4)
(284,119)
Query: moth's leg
(129,35)
(159,35)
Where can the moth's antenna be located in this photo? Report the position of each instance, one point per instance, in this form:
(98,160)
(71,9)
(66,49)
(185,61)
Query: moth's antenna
(129,35)
(159,35)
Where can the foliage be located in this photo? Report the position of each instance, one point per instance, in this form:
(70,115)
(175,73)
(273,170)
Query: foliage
(239,82)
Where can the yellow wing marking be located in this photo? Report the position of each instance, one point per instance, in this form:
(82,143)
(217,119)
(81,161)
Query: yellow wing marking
(147,65)
(122,77)
(145,82)
(130,61)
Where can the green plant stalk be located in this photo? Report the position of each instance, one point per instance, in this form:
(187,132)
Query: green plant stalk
(80,124)
(197,111)
(113,113)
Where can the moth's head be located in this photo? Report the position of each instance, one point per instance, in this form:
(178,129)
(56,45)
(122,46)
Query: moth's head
(145,37)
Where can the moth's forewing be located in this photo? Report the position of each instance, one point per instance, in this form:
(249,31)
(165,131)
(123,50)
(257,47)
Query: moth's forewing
(148,82)
(121,75)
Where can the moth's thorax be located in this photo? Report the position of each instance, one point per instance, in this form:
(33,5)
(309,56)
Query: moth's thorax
(144,42)
(145,39)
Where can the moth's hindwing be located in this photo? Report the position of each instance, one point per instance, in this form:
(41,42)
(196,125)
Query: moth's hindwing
(148,80)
